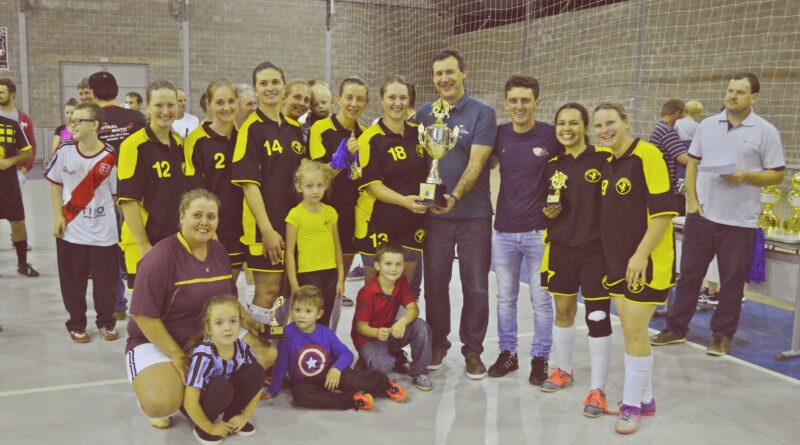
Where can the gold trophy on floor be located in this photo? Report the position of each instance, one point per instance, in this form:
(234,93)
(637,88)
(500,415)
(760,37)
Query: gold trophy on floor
(437,140)
(792,225)
(767,220)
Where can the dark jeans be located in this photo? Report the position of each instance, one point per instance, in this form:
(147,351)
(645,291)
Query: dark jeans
(473,239)
(231,396)
(75,262)
(379,355)
(325,280)
(733,247)
(311,393)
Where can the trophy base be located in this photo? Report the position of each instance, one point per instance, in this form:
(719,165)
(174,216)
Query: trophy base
(432,194)
(272,333)
(553,201)
(792,225)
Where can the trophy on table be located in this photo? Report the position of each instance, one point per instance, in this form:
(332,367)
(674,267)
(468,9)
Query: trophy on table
(770,196)
(437,140)
(558,182)
(792,225)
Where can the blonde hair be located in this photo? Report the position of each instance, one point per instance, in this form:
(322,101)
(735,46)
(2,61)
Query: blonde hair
(307,167)
(205,318)
(320,92)
(693,107)
(217,84)
(193,195)
(308,294)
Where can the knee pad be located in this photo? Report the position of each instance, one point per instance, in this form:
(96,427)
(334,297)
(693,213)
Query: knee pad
(598,318)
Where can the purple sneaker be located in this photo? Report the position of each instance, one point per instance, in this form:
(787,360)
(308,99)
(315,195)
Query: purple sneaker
(628,419)
(649,409)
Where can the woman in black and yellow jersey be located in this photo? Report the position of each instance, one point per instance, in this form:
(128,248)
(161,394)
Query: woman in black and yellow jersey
(324,142)
(574,257)
(636,211)
(268,151)
(151,178)
(209,151)
(393,165)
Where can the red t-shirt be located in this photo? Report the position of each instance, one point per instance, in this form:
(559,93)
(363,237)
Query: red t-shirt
(173,285)
(378,309)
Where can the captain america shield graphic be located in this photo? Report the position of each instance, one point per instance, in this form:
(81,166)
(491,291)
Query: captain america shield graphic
(311,361)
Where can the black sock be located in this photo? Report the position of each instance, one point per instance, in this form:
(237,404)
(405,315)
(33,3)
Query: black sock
(22,252)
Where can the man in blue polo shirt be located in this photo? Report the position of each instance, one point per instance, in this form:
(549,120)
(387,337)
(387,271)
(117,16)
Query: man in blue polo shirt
(722,210)
(522,148)
(465,223)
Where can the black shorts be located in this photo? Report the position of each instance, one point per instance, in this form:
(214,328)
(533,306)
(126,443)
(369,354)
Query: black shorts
(236,253)
(411,237)
(643,294)
(259,263)
(347,227)
(566,269)
(11,207)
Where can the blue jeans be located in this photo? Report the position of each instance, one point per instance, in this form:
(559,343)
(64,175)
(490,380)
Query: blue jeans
(508,252)
(473,239)
(379,354)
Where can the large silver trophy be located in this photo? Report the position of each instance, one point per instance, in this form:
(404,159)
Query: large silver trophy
(437,140)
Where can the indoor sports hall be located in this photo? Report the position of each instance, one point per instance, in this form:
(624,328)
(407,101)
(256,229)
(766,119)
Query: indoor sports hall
(636,52)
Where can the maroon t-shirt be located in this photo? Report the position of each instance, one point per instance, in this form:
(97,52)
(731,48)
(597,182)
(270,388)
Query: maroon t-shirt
(378,309)
(173,285)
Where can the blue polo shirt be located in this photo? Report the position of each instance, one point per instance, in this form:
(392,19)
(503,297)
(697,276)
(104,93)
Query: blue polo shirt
(477,125)
(523,188)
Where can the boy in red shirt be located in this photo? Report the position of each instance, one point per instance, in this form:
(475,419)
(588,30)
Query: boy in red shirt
(377,331)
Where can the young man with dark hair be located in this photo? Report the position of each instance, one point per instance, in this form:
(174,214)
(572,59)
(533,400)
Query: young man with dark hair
(134,101)
(8,94)
(522,148)
(85,94)
(465,222)
(666,138)
(116,125)
(722,210)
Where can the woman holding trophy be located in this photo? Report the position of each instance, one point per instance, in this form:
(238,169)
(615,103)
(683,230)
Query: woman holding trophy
(393,165)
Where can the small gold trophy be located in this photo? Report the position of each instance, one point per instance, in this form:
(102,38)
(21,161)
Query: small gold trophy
(770,196)
(274,329)
(792,225)
(437,140)
(558,182)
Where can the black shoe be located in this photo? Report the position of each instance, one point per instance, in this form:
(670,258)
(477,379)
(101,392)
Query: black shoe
(205,438)
(400,362)
(539,371)
(505,363)
(247,430)
(27,270)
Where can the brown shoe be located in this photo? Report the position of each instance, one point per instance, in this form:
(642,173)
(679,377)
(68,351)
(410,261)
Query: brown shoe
(666,337)
(719,346)
(475,367)
(109,334)
(120,315)
(79,337)
(437,357)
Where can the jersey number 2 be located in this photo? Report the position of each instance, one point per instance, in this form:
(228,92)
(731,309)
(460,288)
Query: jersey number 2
(220,158)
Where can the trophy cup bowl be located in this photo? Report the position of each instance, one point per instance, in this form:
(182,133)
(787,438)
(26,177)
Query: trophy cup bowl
(437,140)
(273,330)
(767,220)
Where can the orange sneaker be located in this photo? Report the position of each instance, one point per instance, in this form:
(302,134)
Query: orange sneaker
(363,401)
(395,391)
(594,405)
(557,380)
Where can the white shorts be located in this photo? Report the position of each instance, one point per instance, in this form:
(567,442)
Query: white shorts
(148,354)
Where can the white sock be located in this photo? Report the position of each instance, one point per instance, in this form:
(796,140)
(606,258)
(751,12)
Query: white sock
(637,371)
(600,355)
(260,314)
(647,394)
(563,342)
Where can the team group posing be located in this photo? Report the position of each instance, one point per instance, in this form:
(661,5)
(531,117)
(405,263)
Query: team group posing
(263,193)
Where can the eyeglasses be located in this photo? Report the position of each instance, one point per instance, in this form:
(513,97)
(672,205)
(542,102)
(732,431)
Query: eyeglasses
(80,121)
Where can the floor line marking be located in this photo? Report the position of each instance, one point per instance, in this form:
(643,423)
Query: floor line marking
(42,389)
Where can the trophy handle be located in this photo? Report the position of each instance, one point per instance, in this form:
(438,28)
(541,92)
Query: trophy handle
(453,138)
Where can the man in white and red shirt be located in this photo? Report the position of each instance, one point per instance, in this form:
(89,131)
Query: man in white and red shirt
(83,175)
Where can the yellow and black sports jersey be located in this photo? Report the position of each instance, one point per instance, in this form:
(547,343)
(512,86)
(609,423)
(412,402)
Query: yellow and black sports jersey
(578,223)
(635,188)
(153,174)
(396,161)
(208,165)
(12,142)
(326,135)
(268,153)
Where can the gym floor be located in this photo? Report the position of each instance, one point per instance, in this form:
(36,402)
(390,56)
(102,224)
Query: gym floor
(54,391)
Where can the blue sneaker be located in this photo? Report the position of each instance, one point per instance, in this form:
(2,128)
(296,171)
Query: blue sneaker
(423,382)
(356,274)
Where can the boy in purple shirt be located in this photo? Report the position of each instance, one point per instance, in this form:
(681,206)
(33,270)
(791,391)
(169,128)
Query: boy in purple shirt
(318,363)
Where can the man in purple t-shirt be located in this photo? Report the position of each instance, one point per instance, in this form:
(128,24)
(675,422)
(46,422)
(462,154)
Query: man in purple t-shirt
(522,148)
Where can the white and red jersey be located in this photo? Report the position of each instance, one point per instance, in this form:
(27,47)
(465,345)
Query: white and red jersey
(89,187)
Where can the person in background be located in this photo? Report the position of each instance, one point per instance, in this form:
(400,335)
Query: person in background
(8,108)
(185,123)
(85,94)
(62,133)
(134,101)
(247,103)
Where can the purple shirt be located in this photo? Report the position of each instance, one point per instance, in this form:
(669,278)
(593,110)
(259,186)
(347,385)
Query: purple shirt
(173,285)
